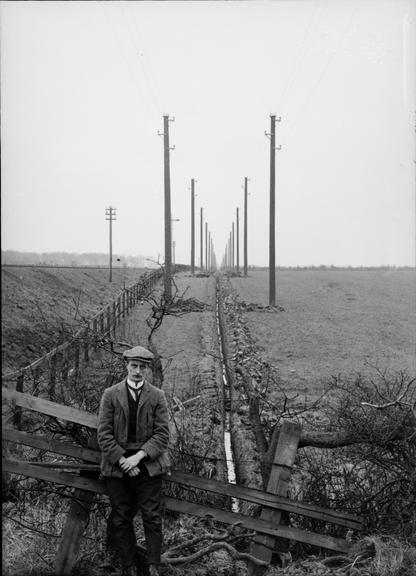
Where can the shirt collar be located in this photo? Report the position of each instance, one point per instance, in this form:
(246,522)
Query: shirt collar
(134,385)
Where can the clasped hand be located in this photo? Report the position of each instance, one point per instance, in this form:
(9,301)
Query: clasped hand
(130,465)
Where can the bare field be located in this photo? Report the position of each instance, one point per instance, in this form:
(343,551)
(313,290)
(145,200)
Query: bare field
(334,323)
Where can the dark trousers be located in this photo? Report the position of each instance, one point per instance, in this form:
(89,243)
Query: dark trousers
(128,496)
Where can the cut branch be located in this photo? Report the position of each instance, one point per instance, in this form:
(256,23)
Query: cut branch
(167,559)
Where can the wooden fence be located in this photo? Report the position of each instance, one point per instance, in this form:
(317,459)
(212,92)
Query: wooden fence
(76,351)
(273,501)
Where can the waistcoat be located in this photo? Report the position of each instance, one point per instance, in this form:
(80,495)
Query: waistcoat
(131,436)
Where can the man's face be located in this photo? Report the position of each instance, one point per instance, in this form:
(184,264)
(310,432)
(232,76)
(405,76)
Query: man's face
(137,370)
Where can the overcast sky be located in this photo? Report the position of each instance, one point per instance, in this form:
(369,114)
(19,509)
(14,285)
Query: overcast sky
(85,85)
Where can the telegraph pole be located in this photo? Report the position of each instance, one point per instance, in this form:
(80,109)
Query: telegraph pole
(192,226)
(233,245)
(209,251)
(206,245)
(168,222)
(245,226)
(202,240)
(231,251)
(110,214)
(272,233)
(238,243)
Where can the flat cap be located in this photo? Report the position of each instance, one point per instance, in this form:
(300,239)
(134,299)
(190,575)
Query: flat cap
(138,353)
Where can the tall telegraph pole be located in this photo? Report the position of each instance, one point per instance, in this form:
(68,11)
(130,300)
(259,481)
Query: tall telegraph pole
(238,241)
(209,250)
(192,226)
(110,215)
(272,239)
(168,223)
(202,239)
(206,245)
(233,246)
(245,226)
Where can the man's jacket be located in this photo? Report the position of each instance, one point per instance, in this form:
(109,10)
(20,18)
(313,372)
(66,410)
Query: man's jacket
(152,429)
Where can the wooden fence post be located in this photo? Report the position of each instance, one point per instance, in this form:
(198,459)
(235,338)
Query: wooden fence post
(64,366)
(76,359)
(52,377)
(76,522)
(114,317)
(118,308)
(17,416)
(36,381)
(108,316)
(86,336)
(284,458)
(101,323)
(95,331)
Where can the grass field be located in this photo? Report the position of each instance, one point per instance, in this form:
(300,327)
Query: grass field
(334,323)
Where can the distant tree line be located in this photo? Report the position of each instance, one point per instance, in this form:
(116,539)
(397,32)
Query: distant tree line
(70,259)
(332,267)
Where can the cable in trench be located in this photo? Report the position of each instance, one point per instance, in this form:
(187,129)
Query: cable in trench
(229,455)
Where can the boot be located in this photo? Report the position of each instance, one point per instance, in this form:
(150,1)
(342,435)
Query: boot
(130,571)
(153,570)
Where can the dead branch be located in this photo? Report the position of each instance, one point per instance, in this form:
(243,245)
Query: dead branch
(166,559)
(217,541)
(31,528)
(399,401)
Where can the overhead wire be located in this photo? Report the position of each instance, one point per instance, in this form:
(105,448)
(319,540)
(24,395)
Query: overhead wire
(123,39)
(300,56)
(150,82)
(312,90)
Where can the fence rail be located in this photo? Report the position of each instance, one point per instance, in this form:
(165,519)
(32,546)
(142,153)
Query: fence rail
(268,500)
(182,506)
(253,495)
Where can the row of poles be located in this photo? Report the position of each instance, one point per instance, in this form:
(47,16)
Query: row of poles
(208,260)
(231,258)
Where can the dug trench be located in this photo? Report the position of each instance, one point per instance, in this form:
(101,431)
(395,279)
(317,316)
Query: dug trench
(211,428)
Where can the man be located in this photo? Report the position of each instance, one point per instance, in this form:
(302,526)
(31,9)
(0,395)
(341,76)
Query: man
(133,435)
